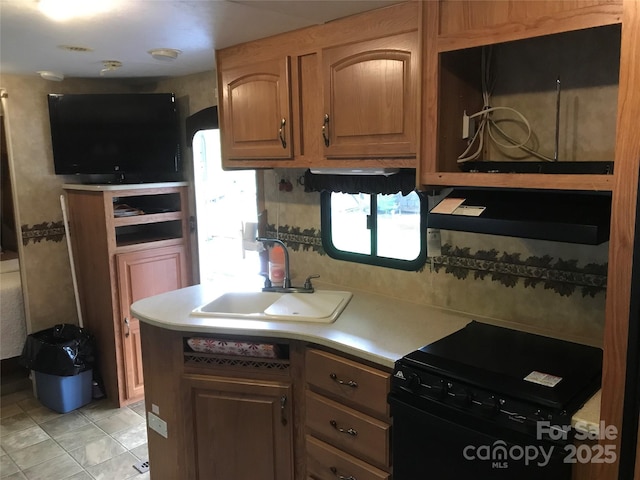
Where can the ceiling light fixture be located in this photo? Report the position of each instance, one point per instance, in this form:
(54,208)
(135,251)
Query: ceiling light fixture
(52,76)
(166,54)
(110,66)
(61,10)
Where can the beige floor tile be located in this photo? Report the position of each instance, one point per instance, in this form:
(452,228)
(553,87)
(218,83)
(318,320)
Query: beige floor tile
(118,468)
(15,397)
(132,437)
(79,437)
(15,423)
(8,466)
(60,467)
(99,409)
(15,476)
(24,438)
(35,454)
(64,423)
(141,451)
(97,451)
(122,420)
(139,408)
(10,410)
(29,403)
(42,414)
(80,476)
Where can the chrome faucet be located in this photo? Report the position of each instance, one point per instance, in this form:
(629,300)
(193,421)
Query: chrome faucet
(286,284)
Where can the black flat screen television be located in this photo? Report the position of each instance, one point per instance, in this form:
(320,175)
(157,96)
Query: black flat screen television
(116,138)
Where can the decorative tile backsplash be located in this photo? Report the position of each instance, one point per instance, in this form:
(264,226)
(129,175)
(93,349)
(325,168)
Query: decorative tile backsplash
(561,276)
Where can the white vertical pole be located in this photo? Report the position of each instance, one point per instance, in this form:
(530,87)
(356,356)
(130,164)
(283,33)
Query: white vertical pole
(71,260)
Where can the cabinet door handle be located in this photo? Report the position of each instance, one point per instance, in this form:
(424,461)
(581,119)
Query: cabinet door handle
(334,470)
(350,383)
(283,403)
(348,431)
(325,130)
(126,324)
(281,133)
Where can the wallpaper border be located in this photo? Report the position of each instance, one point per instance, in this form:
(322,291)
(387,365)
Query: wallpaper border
(563,277)
(48,231)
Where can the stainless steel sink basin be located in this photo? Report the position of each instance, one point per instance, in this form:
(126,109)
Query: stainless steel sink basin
(322,306)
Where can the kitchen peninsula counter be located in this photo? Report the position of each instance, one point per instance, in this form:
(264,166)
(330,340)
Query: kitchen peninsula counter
(372,327)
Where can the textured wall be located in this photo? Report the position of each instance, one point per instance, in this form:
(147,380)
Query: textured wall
(44,258)
(556,307)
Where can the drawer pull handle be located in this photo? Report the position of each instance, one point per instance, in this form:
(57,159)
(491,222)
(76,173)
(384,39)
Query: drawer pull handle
(350,383)
(334,470)
(126,324)
(349,431)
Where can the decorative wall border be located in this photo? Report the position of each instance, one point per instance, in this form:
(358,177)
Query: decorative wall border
(49,231)
(563,277)
(297,238)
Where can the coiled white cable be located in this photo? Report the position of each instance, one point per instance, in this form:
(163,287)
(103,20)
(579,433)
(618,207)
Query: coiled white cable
(487,123)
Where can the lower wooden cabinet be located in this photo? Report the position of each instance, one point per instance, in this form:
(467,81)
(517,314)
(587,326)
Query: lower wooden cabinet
(347,420)
(239,429)
(325,462)
(144,273)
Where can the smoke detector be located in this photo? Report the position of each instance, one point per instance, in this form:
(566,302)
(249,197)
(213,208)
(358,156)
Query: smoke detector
(51,76)
(166,54)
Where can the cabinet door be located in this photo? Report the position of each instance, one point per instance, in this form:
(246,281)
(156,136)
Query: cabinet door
(242,429)
(143,274)
(256,111)
(370,94)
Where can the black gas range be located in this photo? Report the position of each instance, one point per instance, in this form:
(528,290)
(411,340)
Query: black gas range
(470,403)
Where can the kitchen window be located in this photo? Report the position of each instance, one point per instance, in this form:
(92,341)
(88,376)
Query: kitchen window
(388,230)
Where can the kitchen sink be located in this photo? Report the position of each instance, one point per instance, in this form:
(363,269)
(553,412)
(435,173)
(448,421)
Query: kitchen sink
(321,306)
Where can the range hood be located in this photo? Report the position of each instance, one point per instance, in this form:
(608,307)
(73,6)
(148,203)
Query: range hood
(561,216)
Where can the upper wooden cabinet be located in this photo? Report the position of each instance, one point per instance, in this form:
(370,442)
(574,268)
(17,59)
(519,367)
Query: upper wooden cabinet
(256,111)
(370,92)
(351,83)
(532,44)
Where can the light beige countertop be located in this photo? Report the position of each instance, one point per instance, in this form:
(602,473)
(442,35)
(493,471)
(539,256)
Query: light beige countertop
(120,186)
(372,327)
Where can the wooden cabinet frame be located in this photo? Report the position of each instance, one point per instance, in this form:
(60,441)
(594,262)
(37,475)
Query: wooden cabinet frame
(100,241)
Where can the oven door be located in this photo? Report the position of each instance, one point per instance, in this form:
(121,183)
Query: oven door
(443,443)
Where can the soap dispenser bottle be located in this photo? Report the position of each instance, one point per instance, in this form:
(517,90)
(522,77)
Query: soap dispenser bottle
(276,265)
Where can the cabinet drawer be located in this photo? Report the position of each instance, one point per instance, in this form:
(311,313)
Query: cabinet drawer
(359,434)
(359,384)
(325,462)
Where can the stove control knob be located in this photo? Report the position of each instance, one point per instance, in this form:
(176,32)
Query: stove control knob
(493,404)
(414,382)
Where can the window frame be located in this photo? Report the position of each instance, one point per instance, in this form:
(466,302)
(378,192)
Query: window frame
(372,258)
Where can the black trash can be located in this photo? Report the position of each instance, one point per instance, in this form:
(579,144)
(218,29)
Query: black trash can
(62,359)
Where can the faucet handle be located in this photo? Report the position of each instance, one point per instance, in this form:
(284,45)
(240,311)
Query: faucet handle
(267,280)
(307,282)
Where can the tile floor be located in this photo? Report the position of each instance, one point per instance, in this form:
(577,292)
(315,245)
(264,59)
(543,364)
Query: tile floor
(97,441)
